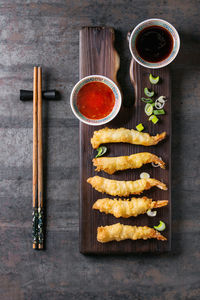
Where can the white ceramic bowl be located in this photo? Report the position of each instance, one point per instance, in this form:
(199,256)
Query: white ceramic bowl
(110,84)
(148,23)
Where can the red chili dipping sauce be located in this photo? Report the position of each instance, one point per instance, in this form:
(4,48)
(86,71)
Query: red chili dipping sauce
(95,100)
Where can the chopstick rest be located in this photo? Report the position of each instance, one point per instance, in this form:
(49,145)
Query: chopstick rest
(26,95)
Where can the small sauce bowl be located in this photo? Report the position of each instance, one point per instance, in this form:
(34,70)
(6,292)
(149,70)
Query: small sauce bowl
(147,24)
(109,83)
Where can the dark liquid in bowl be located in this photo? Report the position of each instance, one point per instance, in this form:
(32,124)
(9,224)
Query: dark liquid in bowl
(154,43)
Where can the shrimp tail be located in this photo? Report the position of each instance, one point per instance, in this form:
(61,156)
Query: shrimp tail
(160,203)
(158,161)
(159,137)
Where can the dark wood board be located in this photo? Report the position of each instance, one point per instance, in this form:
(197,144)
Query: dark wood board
(98,56)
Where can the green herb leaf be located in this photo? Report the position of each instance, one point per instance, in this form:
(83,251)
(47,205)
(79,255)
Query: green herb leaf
(101,151)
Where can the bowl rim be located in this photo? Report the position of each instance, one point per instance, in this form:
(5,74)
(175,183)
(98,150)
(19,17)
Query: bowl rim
(99,120)
(159,65)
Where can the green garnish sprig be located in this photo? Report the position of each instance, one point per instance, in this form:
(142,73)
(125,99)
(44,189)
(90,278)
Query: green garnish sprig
(101,151)
(153,108)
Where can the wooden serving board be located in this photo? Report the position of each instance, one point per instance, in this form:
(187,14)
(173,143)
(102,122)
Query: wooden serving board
(98,56)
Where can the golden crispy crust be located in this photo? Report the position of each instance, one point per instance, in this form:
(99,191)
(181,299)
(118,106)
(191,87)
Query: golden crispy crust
(119,232)
(123,135)
(124,188)
(112,164)
(127,208)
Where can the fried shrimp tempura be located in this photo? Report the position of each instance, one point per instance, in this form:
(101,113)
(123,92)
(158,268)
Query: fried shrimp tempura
(124,188)
(119,232)
(127,208)
(123,135)
(112,164)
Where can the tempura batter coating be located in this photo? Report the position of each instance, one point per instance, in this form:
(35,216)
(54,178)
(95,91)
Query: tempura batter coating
(112,164)
(124,188)
(119,232)
(123,135)
(127,208)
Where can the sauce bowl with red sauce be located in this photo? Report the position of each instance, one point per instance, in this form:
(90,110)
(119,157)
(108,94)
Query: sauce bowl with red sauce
(95,100)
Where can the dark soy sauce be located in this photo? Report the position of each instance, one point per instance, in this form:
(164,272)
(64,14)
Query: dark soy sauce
(154,43)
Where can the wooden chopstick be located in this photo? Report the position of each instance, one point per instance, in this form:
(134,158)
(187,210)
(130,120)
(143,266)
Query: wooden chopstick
(37,229)
(35,157)
(40,164)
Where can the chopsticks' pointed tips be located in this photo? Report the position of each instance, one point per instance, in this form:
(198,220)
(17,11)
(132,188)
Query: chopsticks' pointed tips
(40,227)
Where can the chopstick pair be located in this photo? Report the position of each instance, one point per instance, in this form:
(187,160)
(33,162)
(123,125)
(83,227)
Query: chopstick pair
(38,213)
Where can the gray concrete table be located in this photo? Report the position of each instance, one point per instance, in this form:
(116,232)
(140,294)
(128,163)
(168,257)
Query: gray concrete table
(46,32)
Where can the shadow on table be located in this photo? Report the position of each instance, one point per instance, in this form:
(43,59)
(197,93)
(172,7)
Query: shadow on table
(47,86)
(185,66)
(123,78)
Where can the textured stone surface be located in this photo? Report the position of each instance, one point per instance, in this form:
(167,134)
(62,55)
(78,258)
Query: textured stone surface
(46,33)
